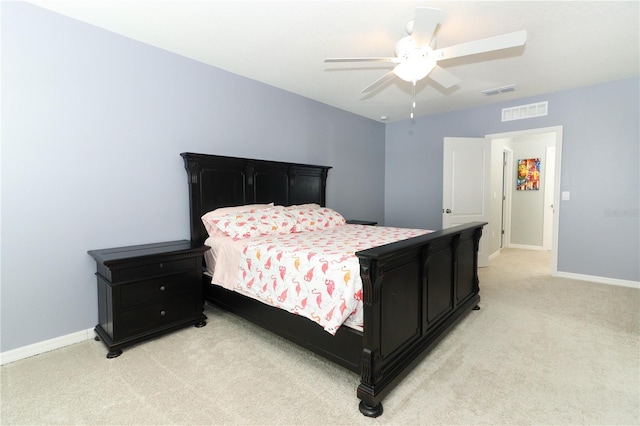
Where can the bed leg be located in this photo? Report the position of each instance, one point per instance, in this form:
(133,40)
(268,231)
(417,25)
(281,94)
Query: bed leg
(476,308)
(370,411)
(114,353)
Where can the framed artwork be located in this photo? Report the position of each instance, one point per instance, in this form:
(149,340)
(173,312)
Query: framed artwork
(528,178)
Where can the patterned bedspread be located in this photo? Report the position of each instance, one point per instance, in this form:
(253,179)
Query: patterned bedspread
(316,273)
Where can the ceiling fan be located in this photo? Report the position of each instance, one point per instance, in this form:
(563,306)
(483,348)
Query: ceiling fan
(417,56)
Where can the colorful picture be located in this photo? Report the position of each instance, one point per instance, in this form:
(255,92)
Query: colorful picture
(528,175)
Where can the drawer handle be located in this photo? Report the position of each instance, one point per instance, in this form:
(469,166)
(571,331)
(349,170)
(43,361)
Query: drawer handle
(163,313)
(162,288)
(161,264)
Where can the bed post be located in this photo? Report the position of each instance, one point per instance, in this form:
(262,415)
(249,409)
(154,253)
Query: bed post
(370,406)
(195,205)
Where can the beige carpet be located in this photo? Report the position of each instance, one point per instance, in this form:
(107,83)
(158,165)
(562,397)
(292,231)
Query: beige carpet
(541,351)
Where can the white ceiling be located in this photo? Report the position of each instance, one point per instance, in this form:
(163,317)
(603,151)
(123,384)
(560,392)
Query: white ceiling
(284,43)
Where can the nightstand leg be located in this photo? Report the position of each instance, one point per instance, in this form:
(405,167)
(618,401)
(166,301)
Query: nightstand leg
(200,324)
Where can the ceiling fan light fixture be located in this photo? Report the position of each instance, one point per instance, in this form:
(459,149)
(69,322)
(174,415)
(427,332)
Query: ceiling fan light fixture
(414,69)
(415,62)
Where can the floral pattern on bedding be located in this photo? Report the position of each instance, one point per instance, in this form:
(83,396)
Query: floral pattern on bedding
(315,273)
(252,223)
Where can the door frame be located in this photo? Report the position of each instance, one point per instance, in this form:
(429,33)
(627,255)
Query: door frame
(557,184)
(548,203)
(507,176)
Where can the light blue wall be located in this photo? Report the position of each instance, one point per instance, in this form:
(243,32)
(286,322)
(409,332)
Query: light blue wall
(92,127)
(599,228)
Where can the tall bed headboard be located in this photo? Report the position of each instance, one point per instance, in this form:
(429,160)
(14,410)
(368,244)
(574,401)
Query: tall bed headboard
(218,181)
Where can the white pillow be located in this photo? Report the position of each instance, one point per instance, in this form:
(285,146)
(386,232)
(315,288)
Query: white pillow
(310,206)
(211,227)
(254,223)
(314,219)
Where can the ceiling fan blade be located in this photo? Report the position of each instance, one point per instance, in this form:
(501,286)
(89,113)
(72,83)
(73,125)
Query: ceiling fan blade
(503,41)
(396,60)
(379,82)
(443,77)
(425,22)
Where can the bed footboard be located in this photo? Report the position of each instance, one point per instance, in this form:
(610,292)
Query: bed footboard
(415,291)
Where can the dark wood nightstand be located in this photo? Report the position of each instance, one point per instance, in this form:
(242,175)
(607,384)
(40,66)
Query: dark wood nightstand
(361,222)
(147,290)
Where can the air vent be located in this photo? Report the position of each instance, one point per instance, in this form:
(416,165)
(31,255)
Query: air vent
(525,111)
(499,90)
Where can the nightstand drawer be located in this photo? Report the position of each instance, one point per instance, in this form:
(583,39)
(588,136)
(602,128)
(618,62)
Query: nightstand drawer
(152,269)
(141,292)
(155,315)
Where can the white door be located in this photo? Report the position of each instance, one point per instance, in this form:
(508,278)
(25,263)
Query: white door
(465,181)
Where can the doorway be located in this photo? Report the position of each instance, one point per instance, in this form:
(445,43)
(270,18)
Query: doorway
(505,150)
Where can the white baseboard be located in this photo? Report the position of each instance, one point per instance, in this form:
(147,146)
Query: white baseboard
(526,247)
(45,346)
(599,280)
(579,277)
(494,254)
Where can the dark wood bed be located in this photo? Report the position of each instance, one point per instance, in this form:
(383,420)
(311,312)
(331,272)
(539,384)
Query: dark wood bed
(414,291)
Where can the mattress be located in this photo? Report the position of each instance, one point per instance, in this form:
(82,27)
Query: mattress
(315,274)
